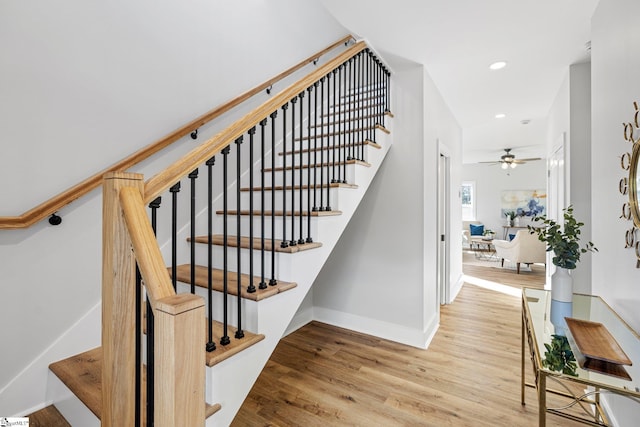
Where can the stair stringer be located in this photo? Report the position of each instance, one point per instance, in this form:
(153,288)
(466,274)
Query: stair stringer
(230,381)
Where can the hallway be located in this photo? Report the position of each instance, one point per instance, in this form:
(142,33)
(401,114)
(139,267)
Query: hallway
(470,375)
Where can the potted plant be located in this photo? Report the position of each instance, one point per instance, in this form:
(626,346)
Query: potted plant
(564,240)
(559,357)
(511,215)
(488,234)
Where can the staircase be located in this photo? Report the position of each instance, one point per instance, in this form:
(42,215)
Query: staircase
(254,263)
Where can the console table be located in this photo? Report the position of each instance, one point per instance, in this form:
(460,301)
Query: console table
(543,318)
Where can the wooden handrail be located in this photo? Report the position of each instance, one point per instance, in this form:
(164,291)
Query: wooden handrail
(165,179)
(150,261)
(38,213)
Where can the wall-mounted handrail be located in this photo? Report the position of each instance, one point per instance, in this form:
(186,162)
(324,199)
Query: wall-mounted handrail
(49,207)
(165,179)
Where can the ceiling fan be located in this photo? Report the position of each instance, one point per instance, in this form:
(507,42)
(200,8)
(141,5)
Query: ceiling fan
(508,160)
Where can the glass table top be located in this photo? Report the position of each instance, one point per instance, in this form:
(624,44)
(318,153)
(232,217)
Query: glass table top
(549,327)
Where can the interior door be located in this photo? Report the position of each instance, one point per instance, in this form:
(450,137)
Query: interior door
(556,191)
(444,284)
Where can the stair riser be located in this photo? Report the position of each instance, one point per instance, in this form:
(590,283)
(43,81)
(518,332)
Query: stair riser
(218,260)
(325,156)
(333,201)
(249,308)
(345,173)
(279,226)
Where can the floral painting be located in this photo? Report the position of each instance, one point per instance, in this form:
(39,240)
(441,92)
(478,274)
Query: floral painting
(527,203)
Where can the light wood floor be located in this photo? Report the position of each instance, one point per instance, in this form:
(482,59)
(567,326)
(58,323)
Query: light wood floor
(322,375)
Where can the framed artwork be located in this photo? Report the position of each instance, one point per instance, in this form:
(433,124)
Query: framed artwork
(527,203)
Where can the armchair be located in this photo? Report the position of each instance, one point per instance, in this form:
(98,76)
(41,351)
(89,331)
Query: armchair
(466,231)
(525,248)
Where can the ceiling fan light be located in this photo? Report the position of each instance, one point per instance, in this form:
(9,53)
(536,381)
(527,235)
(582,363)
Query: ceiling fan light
(504,165)
(513,165)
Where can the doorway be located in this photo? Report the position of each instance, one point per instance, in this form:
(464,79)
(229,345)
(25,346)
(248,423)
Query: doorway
(444,285)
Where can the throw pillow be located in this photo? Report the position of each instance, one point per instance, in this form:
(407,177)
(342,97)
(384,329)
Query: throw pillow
(511,237)
(476,230)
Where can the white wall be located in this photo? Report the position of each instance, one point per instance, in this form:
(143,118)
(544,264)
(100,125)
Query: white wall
(383,270)
(570,118)
(491,180)
(615,86)
(85,83)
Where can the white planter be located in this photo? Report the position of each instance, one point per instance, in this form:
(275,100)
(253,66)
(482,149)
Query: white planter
(561,285)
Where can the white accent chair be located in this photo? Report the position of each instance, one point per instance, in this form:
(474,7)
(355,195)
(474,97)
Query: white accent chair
(466,232)
(525,248)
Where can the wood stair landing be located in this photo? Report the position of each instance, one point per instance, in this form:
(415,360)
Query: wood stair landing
(232,242)
(82,374)
(47,417)
(183,274)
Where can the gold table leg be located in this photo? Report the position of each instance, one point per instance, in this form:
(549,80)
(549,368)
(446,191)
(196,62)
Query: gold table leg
(542,399)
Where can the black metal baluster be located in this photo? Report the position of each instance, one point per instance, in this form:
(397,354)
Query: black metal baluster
(328,146)
(263,283)
(388,95)
(211,345)
(174,233)
(362,94)
(343,127)
(315,146)
(239,333)
(154,205)
(252,288)
(380,100)
(138,356)
(284,243)
(357,112)
(349,93)
(273,281)
(372,96)
(301,169)
(308,240)
(322,136)
(293,241)
(193,176)
(225,340)
(336,126)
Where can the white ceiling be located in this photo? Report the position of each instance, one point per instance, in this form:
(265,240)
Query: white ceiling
(457,40)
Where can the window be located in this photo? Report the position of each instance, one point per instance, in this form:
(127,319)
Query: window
(468,199)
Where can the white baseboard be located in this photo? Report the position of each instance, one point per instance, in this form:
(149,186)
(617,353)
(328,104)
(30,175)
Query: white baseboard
(390,331)
(457,287)
(299,320)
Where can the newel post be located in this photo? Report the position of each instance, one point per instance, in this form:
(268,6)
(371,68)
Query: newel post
(180,358)
(118,305)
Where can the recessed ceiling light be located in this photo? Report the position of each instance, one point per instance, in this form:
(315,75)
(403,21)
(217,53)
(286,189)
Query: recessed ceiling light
(501,116)
(498,65)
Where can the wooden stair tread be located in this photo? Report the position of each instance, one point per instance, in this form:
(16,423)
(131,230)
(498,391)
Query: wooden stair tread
(82,374)
(223,352)
(183,274)
(280,213)
(334,122)
(330,147)
(304,187)
(324,135)
(218,240)
(47,417)
(326,164)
